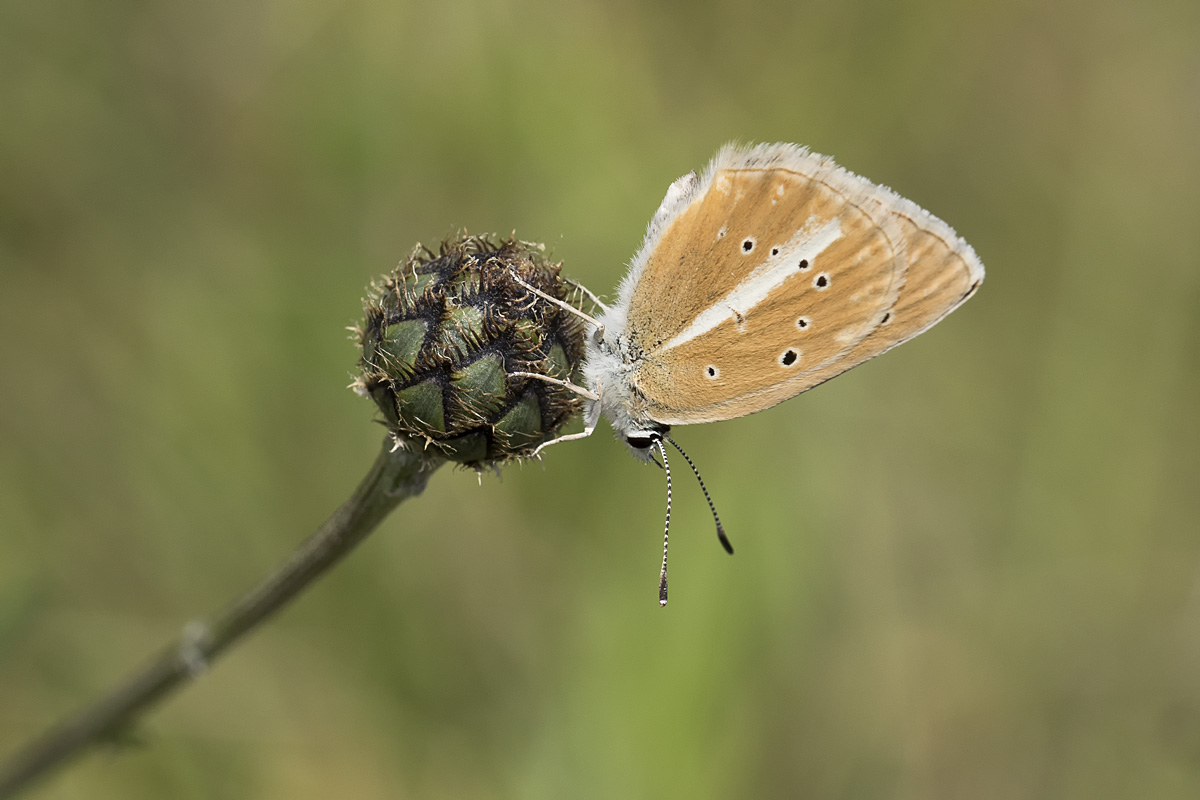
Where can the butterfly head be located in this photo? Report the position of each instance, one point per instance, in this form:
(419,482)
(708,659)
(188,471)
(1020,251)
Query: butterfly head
(642,443)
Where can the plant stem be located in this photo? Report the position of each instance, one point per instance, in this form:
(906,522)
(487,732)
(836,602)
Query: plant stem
(394,477)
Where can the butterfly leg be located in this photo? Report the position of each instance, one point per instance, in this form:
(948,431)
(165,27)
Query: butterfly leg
(590,421)
(570,309)
(574,387)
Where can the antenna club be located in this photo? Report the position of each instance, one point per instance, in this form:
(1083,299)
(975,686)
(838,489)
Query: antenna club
(724,539)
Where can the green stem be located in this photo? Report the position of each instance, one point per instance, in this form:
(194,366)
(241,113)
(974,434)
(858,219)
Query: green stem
(394,477)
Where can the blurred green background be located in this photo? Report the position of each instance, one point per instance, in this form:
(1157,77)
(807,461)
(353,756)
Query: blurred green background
(970,569)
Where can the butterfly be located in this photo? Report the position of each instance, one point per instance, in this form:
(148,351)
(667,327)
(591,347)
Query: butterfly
(769,273)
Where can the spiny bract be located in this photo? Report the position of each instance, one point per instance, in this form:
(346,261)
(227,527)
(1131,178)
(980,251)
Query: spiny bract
(444,334)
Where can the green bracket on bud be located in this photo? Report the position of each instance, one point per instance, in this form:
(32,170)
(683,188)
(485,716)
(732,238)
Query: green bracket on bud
(444,334)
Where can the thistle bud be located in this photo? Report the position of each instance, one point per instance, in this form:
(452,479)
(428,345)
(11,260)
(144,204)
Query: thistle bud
(444,335)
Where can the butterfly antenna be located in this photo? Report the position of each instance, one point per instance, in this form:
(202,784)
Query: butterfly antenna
(720,528)
(662,577)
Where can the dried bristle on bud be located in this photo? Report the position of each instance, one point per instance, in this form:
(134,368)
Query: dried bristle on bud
(443,336)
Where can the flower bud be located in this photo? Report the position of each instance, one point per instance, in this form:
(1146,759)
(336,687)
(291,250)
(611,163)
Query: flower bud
(444,334)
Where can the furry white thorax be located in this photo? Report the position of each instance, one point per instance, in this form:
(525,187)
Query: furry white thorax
(608,371)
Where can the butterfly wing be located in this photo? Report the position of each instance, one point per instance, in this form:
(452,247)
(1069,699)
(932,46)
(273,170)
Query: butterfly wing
(773,272)
(943,272)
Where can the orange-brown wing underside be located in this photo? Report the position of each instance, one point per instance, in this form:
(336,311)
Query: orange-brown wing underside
(727,326)
(941,276)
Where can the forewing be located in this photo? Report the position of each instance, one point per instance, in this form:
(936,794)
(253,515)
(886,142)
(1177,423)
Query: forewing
(772,271)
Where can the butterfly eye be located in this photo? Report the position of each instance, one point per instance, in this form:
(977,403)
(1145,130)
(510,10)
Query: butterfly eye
(640,442)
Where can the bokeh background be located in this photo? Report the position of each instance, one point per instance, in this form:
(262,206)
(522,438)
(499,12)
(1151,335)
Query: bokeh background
(970,569)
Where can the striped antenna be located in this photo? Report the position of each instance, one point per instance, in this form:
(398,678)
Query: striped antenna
(662,577)
(720,528)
